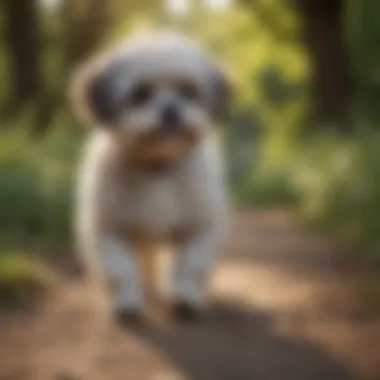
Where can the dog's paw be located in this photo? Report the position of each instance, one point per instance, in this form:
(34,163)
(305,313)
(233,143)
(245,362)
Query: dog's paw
(128,317)
(185,311)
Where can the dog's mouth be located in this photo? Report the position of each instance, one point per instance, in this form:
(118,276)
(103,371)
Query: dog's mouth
(165,133)
(159,148)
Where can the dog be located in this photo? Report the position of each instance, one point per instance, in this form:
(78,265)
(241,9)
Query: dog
(151,172)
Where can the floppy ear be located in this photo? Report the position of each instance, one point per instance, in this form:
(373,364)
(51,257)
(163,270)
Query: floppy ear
(93,92)
(221,94)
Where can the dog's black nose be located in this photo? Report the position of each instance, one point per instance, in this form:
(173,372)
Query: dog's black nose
(170,117)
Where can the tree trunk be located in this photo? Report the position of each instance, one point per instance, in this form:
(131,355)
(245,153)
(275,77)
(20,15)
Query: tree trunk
(86,24)
(322,28)
(22,37)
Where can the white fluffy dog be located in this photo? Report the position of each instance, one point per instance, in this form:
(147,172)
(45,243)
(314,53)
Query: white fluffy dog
(151,173)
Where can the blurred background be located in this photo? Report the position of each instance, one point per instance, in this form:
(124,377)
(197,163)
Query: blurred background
(303,157)
(304,128)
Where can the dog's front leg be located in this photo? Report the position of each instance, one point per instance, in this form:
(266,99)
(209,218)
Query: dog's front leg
(123,275)
(197,258)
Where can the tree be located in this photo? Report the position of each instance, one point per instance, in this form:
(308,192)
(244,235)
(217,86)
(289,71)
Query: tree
(85,23)
(22,37)
(322,30)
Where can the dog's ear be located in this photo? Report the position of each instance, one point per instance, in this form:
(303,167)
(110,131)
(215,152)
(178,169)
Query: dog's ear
(93,92)
(221,94)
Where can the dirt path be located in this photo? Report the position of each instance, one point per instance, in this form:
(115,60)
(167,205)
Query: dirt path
(282,311)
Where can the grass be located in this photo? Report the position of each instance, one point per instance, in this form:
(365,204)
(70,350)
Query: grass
(22,278)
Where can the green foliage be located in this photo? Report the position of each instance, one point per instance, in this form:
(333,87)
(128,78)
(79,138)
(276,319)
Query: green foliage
(35,184)
(333,181)
(362,36)
(22,278)
(339,182)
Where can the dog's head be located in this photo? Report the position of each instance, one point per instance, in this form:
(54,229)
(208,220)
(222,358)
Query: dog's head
(160,92)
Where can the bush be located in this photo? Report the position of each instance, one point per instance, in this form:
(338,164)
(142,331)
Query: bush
(22,278)
(35,185)
(338,181)
(333,181)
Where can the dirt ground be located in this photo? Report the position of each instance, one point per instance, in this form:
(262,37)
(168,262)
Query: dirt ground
(283,309)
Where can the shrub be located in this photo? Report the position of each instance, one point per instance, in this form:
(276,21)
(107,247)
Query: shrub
(22,278)
(36,178)
(333,181)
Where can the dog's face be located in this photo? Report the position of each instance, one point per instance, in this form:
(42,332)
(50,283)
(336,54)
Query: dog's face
(161,94)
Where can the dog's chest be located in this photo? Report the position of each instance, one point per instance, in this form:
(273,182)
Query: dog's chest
(158,206)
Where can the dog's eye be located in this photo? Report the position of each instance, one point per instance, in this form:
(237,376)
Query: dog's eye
(141,94)
(188,91)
